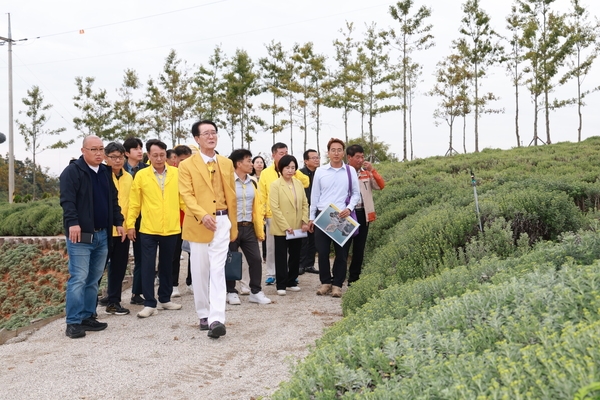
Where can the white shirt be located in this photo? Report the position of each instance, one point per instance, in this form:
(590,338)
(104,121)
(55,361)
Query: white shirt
(330,186)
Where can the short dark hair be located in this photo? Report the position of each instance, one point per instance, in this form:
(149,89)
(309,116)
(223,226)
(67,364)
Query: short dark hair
(278,146)
(182,150)
(114,146)
(307,152)
(355,148)
(155,142)
(170,152)
(335,140)
(239,155)
(196,126)
(132,143)
(285,161)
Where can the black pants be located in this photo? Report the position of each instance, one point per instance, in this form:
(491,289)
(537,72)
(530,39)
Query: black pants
(136,286)
(308,252)
(150,244)
(323,244)
(286,268)
(358,246)
(248,243)
(119,256)
(177,260)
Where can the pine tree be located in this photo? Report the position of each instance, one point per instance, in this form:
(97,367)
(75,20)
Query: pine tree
(97,112)
(412,35)
(481,49)
(33,132)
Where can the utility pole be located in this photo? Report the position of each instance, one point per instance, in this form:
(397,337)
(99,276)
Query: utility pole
(11,139)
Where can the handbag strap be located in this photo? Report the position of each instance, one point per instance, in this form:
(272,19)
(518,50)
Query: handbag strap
(349,185)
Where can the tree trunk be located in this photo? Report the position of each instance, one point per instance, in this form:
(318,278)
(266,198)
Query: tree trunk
(465,134)
(476,110)
(547,114)
(517,107)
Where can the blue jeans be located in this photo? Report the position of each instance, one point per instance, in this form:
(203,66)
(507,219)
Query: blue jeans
(86,265)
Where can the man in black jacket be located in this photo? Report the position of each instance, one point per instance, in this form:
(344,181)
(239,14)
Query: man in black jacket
(90,206)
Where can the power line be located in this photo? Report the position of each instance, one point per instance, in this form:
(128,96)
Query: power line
(208,38)
(130,20)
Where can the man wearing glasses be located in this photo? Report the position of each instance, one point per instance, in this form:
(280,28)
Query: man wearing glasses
(88,198)
(207,186)
(155,195)
(119,253)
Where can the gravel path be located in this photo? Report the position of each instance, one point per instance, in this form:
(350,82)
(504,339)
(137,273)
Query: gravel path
(166,356)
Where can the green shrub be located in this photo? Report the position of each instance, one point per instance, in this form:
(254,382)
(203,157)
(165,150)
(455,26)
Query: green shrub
(536,336)
(36,218)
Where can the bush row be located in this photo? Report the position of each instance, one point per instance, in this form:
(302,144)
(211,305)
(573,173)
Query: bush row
(533,336)
(38,218)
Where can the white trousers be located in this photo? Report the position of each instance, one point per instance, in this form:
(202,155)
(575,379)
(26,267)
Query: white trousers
(270,249)
(208,273)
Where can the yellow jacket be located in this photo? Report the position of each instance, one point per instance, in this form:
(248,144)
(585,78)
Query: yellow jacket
(197,192)
(267,177)
(160,213)
(123,185)
(257,212)
(289,210)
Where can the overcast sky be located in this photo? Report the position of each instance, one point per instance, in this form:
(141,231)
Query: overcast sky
(139,34)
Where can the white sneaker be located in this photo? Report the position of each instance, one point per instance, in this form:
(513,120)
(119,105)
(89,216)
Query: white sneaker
(281,292)
(175,292)
(169,306)
(233,299)
(259,298)
(244,291)
(294,289)
(190,289)
(147,312)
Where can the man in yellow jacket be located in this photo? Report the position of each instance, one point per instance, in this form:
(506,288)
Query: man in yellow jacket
(155,194)
(207,187)
(267,177)
(119,253)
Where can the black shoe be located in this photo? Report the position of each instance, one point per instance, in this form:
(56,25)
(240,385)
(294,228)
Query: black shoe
(203,324)
(92,324)
(75,331)
(216,330)
(103,301)
(312,270)
(137,299)
(300,271)
(115,308)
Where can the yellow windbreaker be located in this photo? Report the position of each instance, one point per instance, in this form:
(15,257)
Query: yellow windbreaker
(160,211)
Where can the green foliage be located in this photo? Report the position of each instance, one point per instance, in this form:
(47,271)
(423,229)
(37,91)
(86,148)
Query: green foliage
(31,283)
(535,335)
(443,310)
(37,218)
(426,213)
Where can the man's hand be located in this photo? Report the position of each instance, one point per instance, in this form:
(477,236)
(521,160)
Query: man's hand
(121,232)
(210,223)
(75,234)
(305,227)
(345,213)
(368,166)
(311,226)
(130,234)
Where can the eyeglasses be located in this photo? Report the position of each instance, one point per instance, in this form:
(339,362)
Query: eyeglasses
(210,133)
(95,149)
(116,158)
(336,150)
(314,158)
